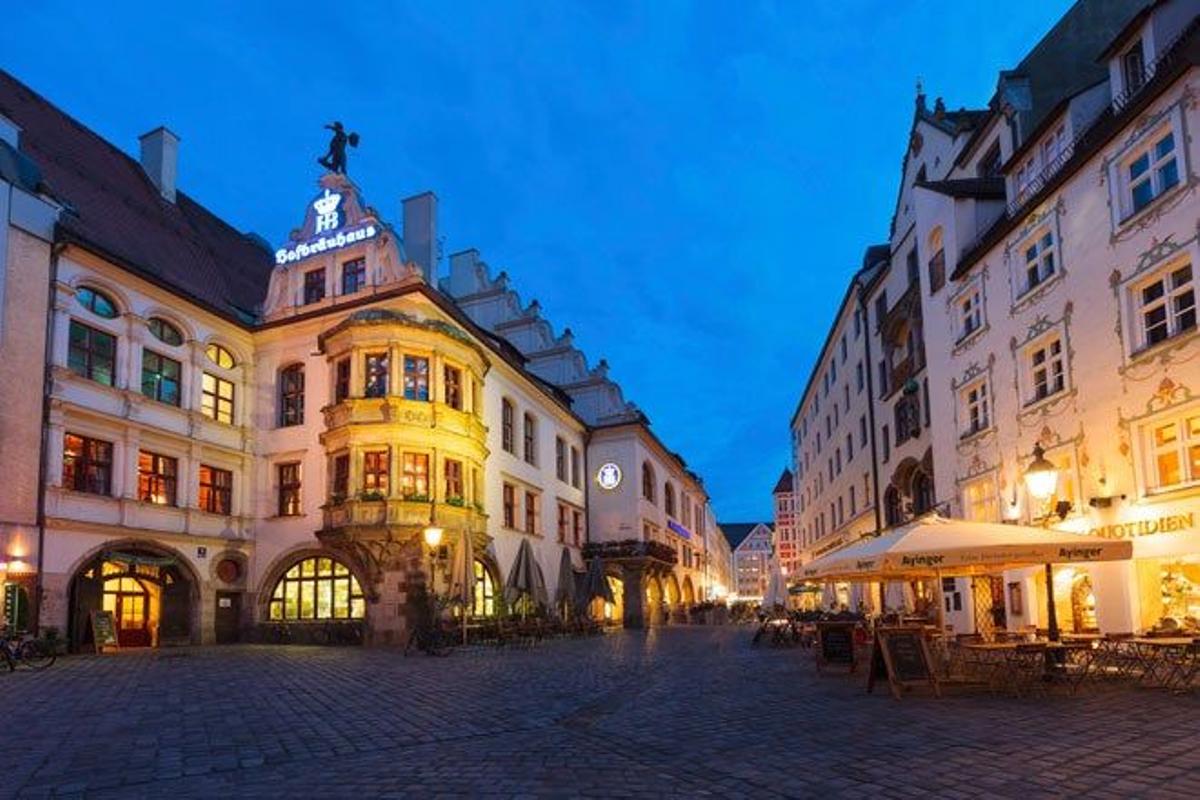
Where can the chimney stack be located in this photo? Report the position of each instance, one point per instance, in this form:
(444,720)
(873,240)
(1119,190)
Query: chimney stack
(160,159)
(420,233)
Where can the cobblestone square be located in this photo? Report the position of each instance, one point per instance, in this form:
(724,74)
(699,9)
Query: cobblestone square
(686,711)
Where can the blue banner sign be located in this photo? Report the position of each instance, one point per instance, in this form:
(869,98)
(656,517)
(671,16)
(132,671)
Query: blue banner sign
(679,529)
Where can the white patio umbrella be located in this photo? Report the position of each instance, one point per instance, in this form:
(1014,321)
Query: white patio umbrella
(776,594)
(828,595)
(934,546)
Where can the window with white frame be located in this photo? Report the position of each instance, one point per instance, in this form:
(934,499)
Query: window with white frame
(1172,446)
(1165,305)
(970,313)
(975,408)
(1046,368)
(980,500)
(1054,146)
(1149,171)
(1039,260)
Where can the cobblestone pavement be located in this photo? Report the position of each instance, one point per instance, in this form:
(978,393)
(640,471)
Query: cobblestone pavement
(692,712)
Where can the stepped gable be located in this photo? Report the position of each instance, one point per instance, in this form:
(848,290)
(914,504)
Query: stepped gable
(492,304)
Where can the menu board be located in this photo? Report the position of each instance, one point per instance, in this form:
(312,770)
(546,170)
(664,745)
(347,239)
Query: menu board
(104,630)
(835,645)
(901,656)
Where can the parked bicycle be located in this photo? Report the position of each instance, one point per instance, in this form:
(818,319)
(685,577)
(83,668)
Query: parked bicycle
(19,650)
(432,640)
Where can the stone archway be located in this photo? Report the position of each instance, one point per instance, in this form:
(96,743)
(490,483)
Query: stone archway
(151,590)
(689,592)
(654,601)
(671,598)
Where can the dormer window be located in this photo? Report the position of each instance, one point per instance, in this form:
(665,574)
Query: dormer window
(1133,68)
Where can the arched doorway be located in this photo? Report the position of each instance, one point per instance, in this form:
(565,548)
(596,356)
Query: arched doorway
(148,591)
(654,601)
(689,593)
(892,512)
(1083,604)
(610,613)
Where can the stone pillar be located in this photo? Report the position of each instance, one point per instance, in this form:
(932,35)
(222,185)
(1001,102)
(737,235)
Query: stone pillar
(390,616)
(632,577)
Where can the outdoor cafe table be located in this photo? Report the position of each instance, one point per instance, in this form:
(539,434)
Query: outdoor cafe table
(1160,657)
(994,655)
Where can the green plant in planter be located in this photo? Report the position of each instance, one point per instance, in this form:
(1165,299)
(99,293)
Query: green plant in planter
(417,498)
(374,494)
(455,501)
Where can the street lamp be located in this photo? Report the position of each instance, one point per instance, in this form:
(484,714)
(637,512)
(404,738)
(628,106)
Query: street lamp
(1041,479)
(433,540)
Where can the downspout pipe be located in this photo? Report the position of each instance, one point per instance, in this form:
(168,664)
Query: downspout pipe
(44,440)
(870,369)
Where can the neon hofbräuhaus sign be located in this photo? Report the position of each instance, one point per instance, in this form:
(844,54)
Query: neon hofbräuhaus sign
(328,218)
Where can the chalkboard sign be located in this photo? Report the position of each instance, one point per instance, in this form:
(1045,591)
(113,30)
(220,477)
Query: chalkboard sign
(104,630)
(835,645)
(902,657)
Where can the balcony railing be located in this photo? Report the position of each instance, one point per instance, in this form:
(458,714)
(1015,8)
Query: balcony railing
(394,512)
(631,548)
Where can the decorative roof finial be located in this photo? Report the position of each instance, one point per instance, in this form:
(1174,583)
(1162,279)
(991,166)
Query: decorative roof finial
(335,159)
(920,94)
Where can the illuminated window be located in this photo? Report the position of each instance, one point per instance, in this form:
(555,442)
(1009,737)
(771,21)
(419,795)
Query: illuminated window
(216,398)
(1174,451)
(216,489)
(92,354)
(317,589)
(416,378)
(87,464)
(220,356)
(291,395)
(377,375)
(375,472)
(980,500)
(157,475)
(564,522)
(164,331)
(96,301)
(414,481)
(160,377)
(532,515)
(289,489)
(484,604)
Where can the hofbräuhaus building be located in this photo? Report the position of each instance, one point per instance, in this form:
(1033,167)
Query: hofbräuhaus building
(238,438)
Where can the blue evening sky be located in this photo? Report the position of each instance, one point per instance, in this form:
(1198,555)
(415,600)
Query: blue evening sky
(688,186)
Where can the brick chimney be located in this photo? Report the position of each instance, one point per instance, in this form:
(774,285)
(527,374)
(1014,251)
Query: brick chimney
(420,233)
(160,159)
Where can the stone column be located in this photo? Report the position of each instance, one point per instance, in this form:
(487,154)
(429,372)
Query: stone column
(390,616)
(632,577)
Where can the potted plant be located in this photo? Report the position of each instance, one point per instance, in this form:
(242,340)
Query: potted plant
(372,496)
(455,500)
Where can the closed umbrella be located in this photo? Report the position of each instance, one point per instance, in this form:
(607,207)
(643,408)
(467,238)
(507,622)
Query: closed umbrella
(462,576)
(776,594)
(525,579)
(596,583)
(564,590)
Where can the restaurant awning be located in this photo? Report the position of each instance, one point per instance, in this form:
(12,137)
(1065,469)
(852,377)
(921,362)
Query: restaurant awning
(934,545)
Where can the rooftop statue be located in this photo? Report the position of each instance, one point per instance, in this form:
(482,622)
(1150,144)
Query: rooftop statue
(335,159)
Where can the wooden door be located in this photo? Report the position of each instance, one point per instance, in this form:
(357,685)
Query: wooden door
(229,608)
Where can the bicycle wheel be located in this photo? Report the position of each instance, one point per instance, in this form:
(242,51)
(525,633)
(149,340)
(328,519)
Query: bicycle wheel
(36,655)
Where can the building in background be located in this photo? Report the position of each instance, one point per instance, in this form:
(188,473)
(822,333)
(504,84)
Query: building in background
(786,532)
(28,213)
(243,437)
(753,547)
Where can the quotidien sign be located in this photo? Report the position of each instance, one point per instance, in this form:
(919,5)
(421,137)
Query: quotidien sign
(1144,527)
